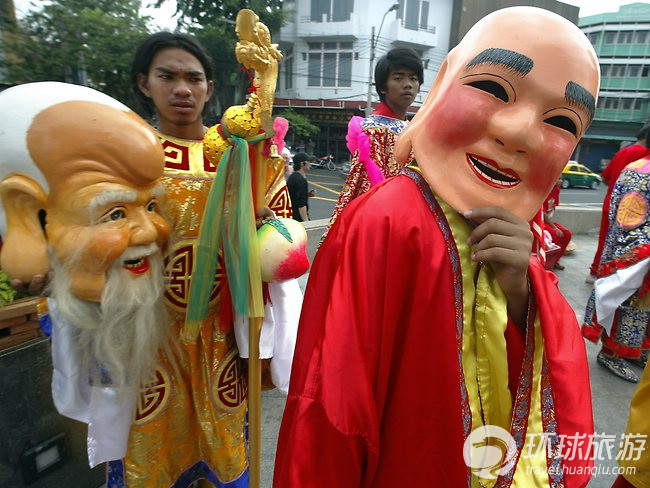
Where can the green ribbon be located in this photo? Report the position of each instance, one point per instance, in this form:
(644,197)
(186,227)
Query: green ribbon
(228,220)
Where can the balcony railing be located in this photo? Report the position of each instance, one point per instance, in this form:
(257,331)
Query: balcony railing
(431,29)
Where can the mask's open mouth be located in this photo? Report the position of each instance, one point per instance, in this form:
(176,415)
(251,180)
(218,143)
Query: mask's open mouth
(137,266)
(489,172)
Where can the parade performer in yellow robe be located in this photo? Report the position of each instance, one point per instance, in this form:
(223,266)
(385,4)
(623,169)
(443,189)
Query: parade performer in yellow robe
(191,419)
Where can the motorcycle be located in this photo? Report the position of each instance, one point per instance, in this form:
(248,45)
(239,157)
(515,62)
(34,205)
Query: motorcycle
(325,162)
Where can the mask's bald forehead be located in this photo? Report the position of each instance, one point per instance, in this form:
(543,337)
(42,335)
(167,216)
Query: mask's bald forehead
(78,137)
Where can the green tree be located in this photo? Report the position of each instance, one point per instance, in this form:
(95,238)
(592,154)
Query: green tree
(78,41)
(213,23)
(299,125)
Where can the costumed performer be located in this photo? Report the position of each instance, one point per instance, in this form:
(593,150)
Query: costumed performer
(618,309)
(560,235)
(426,323)
(371,141)
(194,426)
(621,159)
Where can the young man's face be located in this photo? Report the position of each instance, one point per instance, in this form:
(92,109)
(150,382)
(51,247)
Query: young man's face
(402,86)
(177,85)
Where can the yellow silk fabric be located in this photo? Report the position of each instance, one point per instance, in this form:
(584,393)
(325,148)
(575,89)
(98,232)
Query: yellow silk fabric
(639,423)
(485,358)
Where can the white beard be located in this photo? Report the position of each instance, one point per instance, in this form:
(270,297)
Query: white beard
(121,335)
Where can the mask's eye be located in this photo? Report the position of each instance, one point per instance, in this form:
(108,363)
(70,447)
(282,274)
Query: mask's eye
(151,207)
(114,215)
(491,87)
(563,123)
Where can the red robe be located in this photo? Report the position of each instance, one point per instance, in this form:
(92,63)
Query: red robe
(377,395)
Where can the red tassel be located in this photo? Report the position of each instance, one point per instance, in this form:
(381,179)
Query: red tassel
(253,88)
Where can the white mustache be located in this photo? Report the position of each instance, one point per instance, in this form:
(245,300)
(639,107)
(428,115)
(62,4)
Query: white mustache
(137,252)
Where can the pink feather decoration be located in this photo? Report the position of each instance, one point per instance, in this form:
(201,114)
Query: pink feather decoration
(281,127)
(357,140)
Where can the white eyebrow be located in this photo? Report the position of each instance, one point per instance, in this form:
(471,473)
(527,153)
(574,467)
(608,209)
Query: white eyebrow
(111,196)
(107,197)
(159,191)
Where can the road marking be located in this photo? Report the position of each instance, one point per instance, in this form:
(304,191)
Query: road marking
(323,198)
(329,185)
(325,188)
(312,175)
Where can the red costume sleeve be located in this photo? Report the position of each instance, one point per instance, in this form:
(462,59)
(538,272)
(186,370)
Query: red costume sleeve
(329,433)
(365,311)
(566,355)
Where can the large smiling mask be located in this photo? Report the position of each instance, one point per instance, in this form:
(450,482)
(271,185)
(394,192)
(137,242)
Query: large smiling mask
(506,111)
(88,168)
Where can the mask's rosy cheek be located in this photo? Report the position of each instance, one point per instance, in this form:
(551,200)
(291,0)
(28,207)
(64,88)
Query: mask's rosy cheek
(162,227)
(103,248)
(461,116)
(547,165)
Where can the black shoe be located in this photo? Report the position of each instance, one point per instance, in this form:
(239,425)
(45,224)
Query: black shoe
(640,361)
(618,366)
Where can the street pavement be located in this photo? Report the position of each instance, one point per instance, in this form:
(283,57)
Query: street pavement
(611,395)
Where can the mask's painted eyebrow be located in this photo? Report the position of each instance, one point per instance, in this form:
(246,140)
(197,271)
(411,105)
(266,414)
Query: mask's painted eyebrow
(577,95)
(514,61)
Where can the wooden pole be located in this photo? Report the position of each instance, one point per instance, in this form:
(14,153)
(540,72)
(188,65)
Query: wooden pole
(254,400)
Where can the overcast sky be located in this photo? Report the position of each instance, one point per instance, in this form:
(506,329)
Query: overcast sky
(162,17)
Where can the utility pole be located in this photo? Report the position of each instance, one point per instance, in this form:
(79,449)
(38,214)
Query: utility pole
(370,67)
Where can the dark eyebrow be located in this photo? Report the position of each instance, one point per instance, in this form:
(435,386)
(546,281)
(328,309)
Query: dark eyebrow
(577,95)
(167,71)
(514,61)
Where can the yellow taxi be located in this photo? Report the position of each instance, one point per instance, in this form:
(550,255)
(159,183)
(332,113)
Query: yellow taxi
(576,174)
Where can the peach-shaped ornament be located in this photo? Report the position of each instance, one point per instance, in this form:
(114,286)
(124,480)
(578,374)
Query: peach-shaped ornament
(283,249)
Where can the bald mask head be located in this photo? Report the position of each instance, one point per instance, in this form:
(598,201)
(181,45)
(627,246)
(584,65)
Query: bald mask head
(505,112)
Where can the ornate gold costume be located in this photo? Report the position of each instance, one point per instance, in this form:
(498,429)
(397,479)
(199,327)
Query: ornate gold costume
(193,420)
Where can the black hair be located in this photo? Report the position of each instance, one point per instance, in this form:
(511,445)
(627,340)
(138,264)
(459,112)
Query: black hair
(642,135)
(300,158)
(399,57)
(162,40)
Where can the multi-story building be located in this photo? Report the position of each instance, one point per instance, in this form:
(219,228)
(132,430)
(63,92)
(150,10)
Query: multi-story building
(467,12)
(327,49)
(622,41)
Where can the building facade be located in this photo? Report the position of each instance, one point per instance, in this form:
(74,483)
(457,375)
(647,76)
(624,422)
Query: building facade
(466,13)
(622,41)
(325,72)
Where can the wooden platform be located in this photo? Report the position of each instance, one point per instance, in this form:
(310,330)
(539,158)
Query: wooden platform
(19,322)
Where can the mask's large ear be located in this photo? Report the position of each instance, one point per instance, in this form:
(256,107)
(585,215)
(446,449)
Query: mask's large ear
(24,250)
